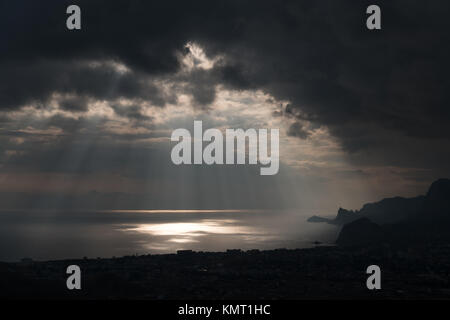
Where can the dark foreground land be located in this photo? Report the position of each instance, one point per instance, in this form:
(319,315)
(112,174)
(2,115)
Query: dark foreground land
(324,272)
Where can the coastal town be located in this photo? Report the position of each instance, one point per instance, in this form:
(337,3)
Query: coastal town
(321,272)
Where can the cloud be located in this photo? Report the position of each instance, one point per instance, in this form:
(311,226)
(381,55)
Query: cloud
(297,130)
(131,112)
(36,82)
(318,55)
(77,103)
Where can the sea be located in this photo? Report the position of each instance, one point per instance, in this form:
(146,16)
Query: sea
(54,234)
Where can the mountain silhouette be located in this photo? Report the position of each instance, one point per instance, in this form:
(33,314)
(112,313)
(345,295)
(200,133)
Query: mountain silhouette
(362,232)
(421,219)
(437,200)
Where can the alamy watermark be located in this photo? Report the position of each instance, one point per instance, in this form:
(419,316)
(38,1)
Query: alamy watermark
(74,280)
(235,143)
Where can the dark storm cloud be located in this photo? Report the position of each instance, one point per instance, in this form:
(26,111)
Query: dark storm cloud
(317,55)
(201,86)
(297,130)
(132,112)
(77,103)
(35,81)
(334,71)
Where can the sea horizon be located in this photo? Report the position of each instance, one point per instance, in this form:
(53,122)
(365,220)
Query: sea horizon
(43,235)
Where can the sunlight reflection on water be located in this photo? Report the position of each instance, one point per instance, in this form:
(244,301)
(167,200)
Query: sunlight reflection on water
(189,232)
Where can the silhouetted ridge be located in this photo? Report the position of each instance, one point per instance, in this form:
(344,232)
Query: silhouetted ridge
(345,216)
(317,219)
(360,232)
(386,211)
(437,201)
(391,210)
(419,220)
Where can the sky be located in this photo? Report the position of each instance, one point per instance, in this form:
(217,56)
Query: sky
(86,115)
